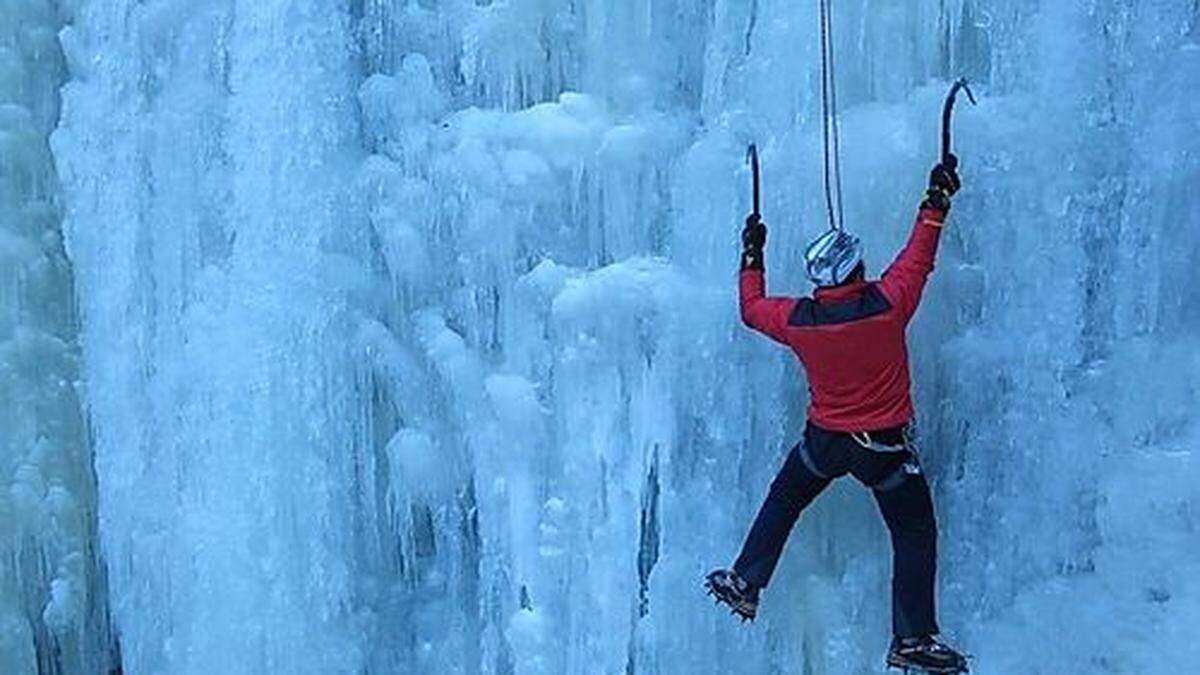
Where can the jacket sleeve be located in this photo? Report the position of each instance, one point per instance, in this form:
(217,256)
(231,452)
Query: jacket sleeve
(769,316)
(904,281)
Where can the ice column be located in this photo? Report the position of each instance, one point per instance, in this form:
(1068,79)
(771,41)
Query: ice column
(205,150)
(53,616)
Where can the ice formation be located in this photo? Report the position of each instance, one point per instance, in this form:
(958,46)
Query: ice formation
(400,336)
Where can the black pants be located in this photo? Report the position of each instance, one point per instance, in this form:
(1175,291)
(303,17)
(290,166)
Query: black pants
(904,500)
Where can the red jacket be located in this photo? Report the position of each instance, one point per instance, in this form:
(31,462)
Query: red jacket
(850,338)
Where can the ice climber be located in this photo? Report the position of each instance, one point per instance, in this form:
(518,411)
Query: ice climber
(850,339)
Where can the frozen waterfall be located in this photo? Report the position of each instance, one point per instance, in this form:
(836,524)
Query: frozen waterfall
(400,336)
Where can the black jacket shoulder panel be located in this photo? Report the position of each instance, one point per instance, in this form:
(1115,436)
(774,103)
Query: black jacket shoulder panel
(809,313)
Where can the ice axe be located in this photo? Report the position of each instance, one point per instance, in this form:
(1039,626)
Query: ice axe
(752,160)
(948,158)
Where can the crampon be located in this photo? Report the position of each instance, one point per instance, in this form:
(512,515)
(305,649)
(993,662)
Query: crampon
(728,588)
(925,654)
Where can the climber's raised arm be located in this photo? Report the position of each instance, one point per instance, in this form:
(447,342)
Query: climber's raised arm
(764,314)
(904,280)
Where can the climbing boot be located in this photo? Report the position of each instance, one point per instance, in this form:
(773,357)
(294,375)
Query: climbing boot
(727,587)
(925,654)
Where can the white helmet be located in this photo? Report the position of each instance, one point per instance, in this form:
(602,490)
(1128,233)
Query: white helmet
(833,257)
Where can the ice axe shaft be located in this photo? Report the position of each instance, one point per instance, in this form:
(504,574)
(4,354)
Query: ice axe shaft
(947,116)
(752,159)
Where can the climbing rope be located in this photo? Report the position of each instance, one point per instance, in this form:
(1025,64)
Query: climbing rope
(829,121)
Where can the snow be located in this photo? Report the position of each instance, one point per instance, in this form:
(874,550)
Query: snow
(390,337)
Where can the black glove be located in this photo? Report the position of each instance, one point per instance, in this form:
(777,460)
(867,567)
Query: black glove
(943,183)
(754,238)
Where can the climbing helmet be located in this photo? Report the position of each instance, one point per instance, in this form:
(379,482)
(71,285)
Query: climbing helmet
(832,257)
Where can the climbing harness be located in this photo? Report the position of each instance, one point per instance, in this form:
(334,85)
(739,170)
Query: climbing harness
(908,441)
(829,121)
(910,467)
(864,439)
(948,158)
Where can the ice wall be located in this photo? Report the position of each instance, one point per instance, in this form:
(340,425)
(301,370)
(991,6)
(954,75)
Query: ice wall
(52,604)
(208,164)
(409,340)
